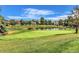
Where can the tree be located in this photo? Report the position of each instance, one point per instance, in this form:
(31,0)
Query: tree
(60,22)
(2,28)
(42,21)
(22,22)
(1,19)
(49,22)
(12,22)
(70,21)
(37,22)
(33,22)
(46,22)
(75,14)
(29,22)
(66,22)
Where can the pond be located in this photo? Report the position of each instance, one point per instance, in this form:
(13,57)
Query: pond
(49,28)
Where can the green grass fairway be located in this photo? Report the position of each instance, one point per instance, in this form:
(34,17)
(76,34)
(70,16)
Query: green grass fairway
(40,41)
(22,34)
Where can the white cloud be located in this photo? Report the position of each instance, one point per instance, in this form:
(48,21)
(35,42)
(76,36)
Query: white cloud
(36,13)
(58,17)
(32,11)
(36,17)
(15,17)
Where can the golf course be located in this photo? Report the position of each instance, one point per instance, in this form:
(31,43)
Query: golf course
(39,29)
(40,41)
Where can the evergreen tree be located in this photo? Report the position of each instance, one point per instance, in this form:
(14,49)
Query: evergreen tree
(42,21)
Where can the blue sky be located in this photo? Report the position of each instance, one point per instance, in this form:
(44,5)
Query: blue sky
(53,12)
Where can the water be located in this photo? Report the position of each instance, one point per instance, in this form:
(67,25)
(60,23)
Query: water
(51,29)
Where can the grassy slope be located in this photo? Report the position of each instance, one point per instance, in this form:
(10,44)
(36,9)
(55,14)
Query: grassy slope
(21,34)
(40,41)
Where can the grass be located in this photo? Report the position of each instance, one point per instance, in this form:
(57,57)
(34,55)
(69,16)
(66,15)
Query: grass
(34,34)
(40,41)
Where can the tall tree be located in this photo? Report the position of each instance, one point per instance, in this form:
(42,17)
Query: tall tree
(60,22)
(1,18)
(70,21)
(66,22)
(46,22)
(42,21)
(49,22)
(75,14)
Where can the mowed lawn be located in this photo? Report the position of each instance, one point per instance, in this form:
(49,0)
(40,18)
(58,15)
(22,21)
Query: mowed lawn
(41,41)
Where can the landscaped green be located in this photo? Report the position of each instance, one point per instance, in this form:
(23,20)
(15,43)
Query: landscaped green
(40,41)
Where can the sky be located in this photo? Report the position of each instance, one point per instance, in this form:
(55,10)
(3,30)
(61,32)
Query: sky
(27,12)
